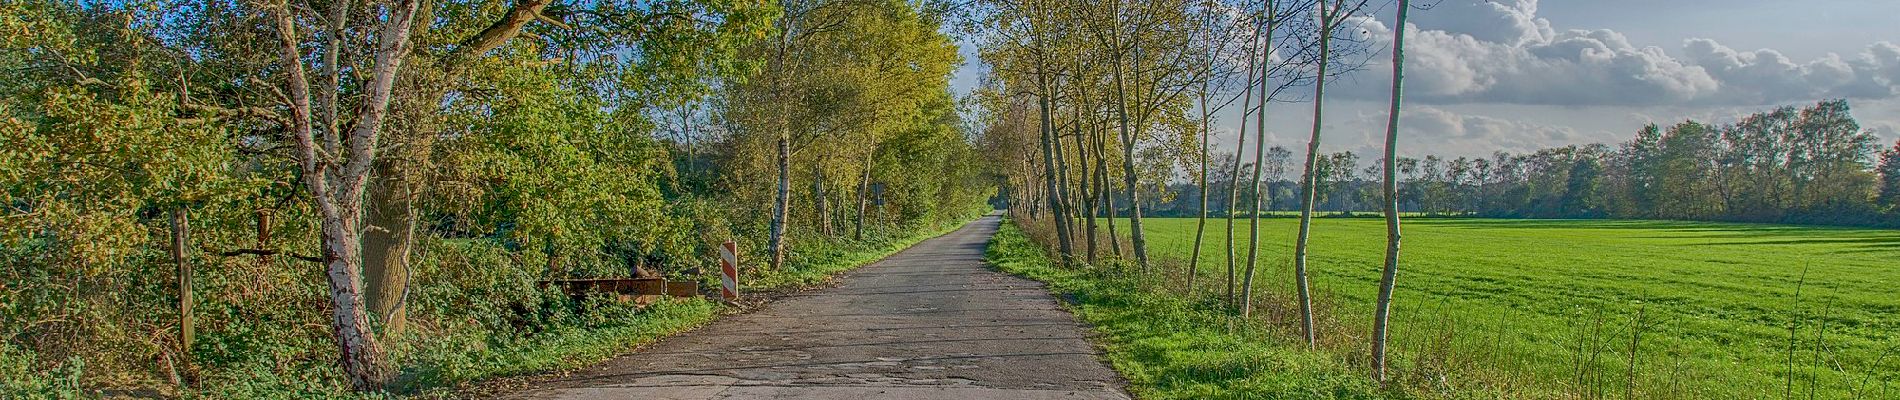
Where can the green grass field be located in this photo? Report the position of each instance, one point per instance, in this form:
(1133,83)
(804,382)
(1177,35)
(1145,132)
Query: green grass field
(1597,309)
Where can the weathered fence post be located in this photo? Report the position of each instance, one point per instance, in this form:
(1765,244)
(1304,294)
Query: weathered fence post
(181,231)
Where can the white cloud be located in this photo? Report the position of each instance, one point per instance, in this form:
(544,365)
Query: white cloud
(1500,51)
(1888,132)
(1506,22)
(1435,127)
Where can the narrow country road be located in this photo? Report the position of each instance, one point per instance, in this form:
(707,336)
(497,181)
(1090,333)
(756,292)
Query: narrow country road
(932,322)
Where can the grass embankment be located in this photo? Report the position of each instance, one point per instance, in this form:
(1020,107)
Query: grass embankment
(1169,347)
(1591,309)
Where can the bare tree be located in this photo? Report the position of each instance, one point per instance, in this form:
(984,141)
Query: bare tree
(1254,65)
(1382,316)
(1330,19)
(1216,71)
(1275,16)
(1289,69)
(1272,20)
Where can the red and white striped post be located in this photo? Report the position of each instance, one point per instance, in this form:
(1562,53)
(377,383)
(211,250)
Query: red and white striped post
(729,270)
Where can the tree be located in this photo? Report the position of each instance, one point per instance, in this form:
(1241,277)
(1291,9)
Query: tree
(514,141)
(1150,52)
(1216,69)
(684,45)
(1890,177)
(1254,64)
(1330,19)
(1809,164)
(1381,316)
(1271,19)
(337,175)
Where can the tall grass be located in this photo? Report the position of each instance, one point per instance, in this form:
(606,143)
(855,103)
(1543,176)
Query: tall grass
(1175,347)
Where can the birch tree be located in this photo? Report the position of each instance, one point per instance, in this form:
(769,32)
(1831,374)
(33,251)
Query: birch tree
(1330,18)
(336,172)
(1219,23)
(1382,316)
(1279,60)
(1149,45)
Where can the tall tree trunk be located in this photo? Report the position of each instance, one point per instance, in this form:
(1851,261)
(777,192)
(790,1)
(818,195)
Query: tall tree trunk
(821,216)
(397,179)
(181,234)
(387,244)
(1269,12)
(864,195)
(1309,181)
(1032,203)
(1108,196)
(1233,199)
(339,18)
(1200,221)
(1389,281)
(1233,186)
(1089,192)
(362,355)
(337,185)
(1129,177)
(1063,194)
(1050,176)
(782,205)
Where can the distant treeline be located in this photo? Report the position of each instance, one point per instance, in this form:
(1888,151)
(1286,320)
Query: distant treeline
(1810,165)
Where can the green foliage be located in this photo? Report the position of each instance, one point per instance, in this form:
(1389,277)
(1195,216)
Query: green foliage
(1888,195)
(547,169)
(23,377)
(859,86)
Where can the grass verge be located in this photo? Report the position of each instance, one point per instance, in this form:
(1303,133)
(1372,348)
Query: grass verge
(1169,347)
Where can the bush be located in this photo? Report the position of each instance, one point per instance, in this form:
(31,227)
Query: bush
(23,377)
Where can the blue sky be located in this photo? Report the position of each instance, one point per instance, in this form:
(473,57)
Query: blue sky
(1517,75)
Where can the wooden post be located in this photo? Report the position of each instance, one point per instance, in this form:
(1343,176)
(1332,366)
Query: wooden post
(181,231)
(263,236)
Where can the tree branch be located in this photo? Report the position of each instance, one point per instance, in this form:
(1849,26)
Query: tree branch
(497,34)
(261,252)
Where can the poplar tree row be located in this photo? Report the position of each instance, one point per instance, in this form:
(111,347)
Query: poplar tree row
(1083,93)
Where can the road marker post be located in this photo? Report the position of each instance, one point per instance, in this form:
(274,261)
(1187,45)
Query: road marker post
(729,271)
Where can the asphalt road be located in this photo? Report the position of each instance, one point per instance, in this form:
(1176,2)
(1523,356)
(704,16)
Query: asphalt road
(931,322)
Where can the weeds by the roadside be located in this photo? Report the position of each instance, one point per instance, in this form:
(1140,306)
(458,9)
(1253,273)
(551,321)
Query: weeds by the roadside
(1171,347)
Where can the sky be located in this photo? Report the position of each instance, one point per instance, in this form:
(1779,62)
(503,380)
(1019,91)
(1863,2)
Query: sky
(1520,75)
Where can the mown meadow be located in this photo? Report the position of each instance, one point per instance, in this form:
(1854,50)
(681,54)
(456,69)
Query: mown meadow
(1584,308)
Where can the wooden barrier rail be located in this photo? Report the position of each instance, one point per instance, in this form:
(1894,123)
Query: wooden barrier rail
(642,291)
